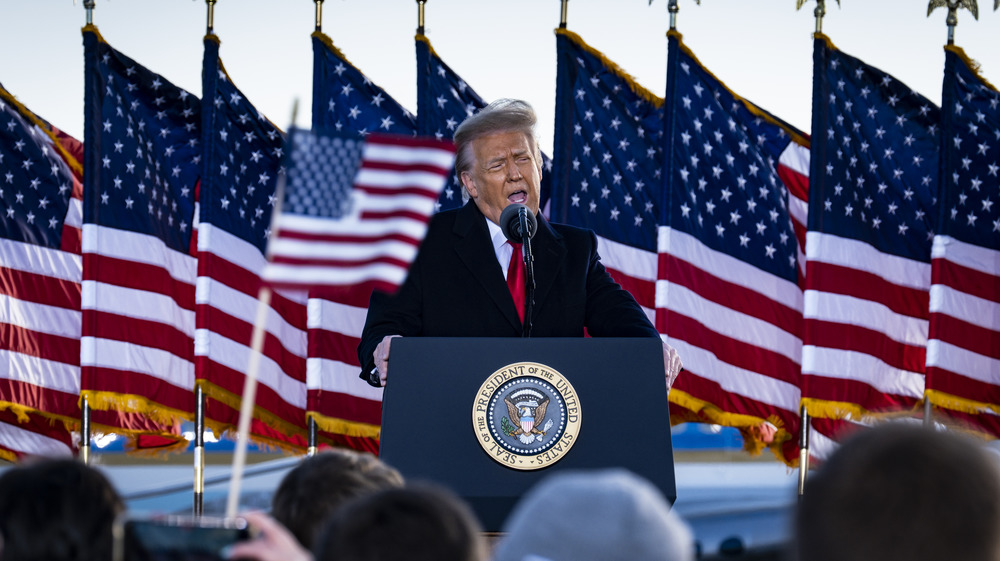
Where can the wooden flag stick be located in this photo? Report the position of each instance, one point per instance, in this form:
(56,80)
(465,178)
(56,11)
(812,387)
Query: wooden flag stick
(247,404)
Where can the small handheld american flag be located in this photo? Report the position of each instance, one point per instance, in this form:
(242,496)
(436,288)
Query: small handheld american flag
(354,210)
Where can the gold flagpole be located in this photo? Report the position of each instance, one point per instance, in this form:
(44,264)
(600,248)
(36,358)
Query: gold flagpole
(199,451)
(819,12)
(420,16)
(198,505)
(319,15)
(562,13)
(210,24)
(89,5)
(953,6)
(84,405)
(85,431)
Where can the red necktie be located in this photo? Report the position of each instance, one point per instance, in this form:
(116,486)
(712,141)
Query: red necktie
(515,279)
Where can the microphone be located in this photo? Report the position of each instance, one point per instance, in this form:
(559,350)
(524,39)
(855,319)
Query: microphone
(511,219)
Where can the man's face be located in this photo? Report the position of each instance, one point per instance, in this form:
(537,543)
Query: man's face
(505,170)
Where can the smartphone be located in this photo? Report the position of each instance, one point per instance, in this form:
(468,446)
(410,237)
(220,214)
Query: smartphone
(176,538)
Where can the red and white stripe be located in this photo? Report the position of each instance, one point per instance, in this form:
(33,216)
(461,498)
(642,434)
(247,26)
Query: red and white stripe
(335,390)
(395,189)
(793,169)
(963,353)
(37,436)
(866,325)
(40,326)
(227,301)
(634,269)
(138,318)
(737,328)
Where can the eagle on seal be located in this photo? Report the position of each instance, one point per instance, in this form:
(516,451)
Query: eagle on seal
(525,417)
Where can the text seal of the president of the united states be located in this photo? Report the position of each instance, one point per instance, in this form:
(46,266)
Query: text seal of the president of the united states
(526,415)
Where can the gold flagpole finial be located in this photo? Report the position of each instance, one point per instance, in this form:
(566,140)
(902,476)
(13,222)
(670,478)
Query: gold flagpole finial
(319,15)
(818,13)
(89,6)
(953,6)
(210,24)
(564,9)
(420,16)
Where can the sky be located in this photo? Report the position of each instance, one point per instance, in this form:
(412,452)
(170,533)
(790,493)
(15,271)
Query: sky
(762,49)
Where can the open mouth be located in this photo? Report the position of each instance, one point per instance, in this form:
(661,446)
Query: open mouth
(518,197)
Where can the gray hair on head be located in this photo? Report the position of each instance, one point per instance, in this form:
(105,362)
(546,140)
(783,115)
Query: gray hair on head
(503,115)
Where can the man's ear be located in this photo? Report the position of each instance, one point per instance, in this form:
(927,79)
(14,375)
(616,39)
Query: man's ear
(469,184)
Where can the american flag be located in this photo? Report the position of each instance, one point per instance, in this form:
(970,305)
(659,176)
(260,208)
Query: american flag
(872,203)
(346,409)
(142,158)
(40,284)
(40,271)
(610,178)
(607,174)
(444,100)
(727,296)
(963,353)
(29,434)
(243,155)
(353,215)
(355,211)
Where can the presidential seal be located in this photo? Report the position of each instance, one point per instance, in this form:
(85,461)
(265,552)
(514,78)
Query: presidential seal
(526,416)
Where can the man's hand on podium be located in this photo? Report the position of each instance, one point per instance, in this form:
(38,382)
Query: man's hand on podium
(672,364)
(381,356)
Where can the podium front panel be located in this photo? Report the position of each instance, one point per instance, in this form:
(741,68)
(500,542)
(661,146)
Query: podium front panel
(427,419)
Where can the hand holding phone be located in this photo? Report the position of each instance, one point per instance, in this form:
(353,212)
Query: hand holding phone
(271,542)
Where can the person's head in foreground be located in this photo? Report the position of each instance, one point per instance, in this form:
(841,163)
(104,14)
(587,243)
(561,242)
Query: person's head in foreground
(57,510)
(901,491)
(416,523)
(311,491)
(497,157)
(603,515)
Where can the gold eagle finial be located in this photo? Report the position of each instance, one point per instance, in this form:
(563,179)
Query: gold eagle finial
(800,3)
(953,6)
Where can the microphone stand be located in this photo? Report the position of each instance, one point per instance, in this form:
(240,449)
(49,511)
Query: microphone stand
(529,271)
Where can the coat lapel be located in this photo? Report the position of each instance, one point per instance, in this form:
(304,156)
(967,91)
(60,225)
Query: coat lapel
(475,249)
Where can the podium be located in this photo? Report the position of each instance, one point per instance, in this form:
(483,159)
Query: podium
(444,397)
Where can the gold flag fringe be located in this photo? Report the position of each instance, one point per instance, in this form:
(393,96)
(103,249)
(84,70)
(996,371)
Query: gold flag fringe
(23,412)
(270,419)
(751,107)
(31,117)
(613,68)
(347,428)
(222,67)
(964,405)
(704,411)
(423,39)
(109,401)
(325,39)
(972,64)
(843,410)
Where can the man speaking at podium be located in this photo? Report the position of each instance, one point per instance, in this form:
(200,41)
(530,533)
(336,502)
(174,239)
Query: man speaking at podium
(468,280)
